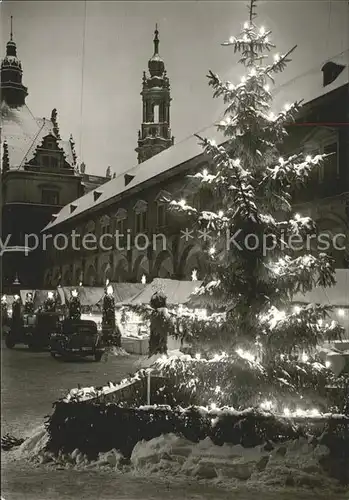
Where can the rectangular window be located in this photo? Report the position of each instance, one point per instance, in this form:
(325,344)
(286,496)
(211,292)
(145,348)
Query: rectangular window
(141,222)
(161,215)
(49,197)
(330,166)
(49,161)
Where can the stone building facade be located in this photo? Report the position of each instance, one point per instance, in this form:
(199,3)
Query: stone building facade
(39,175)
(134,203)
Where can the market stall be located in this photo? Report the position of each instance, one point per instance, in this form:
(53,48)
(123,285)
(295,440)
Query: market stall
(135,332)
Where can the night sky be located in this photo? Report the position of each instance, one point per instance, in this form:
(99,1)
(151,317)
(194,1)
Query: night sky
(118,44)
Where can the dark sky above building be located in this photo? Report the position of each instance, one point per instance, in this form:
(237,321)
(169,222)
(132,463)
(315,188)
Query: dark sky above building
(98,95)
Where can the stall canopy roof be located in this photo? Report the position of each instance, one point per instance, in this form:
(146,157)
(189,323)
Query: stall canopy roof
(39,296)
(177,292)
(89,296)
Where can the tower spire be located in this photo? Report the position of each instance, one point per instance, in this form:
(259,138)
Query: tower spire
(13,92)
(155,133)
(156,40)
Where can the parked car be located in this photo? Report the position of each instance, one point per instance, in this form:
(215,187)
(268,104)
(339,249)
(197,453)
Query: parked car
(34,330)
(77,338)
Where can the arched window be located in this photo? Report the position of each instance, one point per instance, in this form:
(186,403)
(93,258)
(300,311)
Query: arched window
(121,219)
(162,200)
(105,224)
(141,211)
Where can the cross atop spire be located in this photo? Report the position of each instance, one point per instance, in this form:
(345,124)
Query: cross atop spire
(11,34)
(156,39)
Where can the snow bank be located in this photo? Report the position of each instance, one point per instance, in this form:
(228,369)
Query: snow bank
(292,464)
(33,446)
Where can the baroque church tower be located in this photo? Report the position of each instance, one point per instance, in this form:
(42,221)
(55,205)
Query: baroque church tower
(155,133)
(13,92)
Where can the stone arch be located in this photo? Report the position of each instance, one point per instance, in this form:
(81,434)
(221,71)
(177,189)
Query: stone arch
(163,265)
(107,272)
(335,229)
(48,277)
(121,271)
(78,275)
(90,276)
(191,259)
(67,277)
(140,267)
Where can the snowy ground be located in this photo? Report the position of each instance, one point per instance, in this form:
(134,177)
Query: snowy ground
(165,468)
(168,467)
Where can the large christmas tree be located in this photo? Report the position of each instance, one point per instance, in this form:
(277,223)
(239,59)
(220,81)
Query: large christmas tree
(260,347)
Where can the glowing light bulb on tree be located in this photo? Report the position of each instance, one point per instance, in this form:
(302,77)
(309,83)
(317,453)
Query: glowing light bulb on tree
(305,357)
(212,251)
(109,290)
(287,412)
(144,279)
(276,57)
(182,202)
(198,356)
(49,295)
(194,275)
(262,30)
(297,309)
(80,284)
(308,158)
(341,313)
(205,172)
(74,293)
(297,216)
(328,364)
(4,299)
(246,25)
(220,213)
(213,406)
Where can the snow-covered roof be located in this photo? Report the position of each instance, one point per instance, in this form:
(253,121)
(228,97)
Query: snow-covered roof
(306,87)
(177,292)
(24,133)
(309,86)
(166,160)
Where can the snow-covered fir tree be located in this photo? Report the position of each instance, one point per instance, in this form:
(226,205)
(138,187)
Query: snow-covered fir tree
(259,347)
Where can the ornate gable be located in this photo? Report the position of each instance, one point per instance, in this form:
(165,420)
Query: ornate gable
(49,155)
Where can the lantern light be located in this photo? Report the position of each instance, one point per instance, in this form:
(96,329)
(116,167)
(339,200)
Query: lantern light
(109,290)
(287,412)
(328,364)
(194,275)
(50,295)
(74,293)
(144,279)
